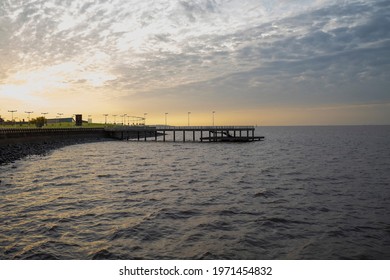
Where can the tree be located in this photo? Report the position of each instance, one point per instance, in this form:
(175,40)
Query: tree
(39,122)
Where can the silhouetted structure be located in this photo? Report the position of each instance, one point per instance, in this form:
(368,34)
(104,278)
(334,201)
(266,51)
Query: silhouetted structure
(79,120)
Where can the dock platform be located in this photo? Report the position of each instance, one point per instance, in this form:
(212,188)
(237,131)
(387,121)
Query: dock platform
(185,133)
(135,133)
(232,139)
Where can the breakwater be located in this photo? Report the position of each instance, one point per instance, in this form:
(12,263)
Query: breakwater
(8,135)
(19,143)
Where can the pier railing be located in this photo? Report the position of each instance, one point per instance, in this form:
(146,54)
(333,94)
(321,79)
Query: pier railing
(167,127)
(170,128)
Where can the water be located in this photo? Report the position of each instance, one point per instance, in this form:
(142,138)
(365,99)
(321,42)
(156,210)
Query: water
(303,193)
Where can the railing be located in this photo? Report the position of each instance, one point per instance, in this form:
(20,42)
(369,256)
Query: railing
(9,131)
(12,131)
(162,127)
(130,128)
(169,127)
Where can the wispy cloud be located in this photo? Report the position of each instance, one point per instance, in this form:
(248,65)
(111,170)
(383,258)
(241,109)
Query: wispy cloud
(259,51)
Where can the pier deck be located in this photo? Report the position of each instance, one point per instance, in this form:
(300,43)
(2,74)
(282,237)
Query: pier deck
(138,133)
(186,133)
(232,139)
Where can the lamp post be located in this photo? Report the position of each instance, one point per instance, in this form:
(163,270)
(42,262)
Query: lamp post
(28,112)
(12,115)
(105,118)
(123,119)
(145,118)
(189,118)
(114,118)
(213,117)
(166,119)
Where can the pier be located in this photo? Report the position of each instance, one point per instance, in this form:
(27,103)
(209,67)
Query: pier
(185,133)
(16,143)
(136,133)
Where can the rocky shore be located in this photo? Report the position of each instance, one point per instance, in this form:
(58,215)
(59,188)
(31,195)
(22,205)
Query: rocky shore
(15,151)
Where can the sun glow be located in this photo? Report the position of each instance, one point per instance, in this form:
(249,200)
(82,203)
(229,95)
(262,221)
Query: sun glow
(48,80)
(25,84)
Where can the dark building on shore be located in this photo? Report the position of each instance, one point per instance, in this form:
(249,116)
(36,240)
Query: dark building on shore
(78,120)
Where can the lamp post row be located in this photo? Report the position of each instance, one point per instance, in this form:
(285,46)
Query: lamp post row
(106,115)
(165,114)
(145,114)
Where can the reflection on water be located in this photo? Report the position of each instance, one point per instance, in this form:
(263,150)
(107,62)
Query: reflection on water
(303,193)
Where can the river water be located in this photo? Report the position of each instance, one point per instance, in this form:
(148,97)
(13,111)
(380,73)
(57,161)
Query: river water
(303,193)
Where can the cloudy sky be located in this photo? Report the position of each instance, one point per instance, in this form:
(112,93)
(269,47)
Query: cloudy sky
(262,62)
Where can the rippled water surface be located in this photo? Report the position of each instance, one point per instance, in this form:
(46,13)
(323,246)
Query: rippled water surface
(303,193)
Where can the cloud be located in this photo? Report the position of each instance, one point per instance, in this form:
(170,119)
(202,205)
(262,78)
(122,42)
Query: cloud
(249,52)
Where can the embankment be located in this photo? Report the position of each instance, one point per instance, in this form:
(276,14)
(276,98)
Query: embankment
(19,143)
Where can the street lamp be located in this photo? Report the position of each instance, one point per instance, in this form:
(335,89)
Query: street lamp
(166,119)
(213,117)
(114,118)
(123,118)
(189,118)
(58,116)
(12,114)
(28,112)
(105,118)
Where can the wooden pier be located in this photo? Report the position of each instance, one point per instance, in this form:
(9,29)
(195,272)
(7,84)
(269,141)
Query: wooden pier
(185,133)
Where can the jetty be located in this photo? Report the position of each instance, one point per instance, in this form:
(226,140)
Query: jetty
(185,133)
(137,133)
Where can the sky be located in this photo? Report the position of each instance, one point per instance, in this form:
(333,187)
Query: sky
(252,62)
